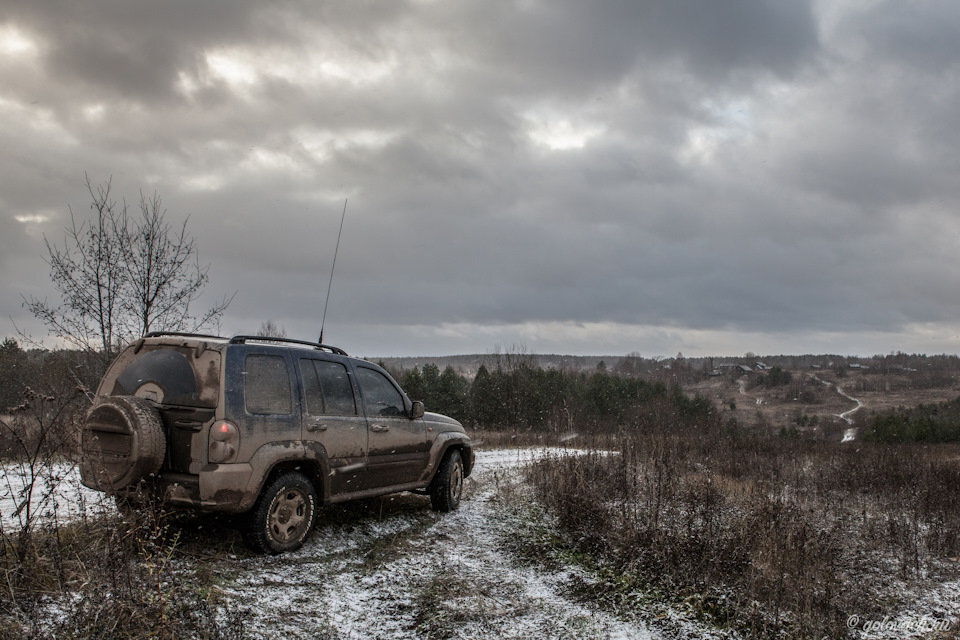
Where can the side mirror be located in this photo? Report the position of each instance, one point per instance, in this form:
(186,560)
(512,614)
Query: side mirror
(416,411)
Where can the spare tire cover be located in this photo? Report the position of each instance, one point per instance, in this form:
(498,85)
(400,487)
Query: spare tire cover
(121,443)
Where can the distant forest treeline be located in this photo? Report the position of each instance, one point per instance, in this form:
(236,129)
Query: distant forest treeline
(529,398)
(566,393)
(58,373)
(926,371)
(939,422)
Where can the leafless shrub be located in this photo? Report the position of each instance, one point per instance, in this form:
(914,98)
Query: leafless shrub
(110,577)
(93,575)
(774,536)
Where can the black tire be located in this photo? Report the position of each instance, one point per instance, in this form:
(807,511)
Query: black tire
(447,486)
(122,442)
(283,516)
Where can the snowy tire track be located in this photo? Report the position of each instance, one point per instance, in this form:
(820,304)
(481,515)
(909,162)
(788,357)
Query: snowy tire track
(849,435)
(418,574)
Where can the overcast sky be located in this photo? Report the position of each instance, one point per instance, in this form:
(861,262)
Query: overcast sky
(554,175)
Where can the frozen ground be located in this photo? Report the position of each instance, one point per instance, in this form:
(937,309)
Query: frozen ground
(392,568)
(415,574)
(52,492)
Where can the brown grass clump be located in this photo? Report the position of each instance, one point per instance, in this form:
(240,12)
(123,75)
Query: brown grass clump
(770,536)
(105,577)
(95,575)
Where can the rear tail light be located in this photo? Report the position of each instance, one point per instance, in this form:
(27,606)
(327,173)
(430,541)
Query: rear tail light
(224,442)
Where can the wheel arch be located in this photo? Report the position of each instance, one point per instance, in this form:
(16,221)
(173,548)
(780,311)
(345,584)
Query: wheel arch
(275,460)
(446,443)
(312,469)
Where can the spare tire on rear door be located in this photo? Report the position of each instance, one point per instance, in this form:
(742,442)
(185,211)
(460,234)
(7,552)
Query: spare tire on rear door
(121,443)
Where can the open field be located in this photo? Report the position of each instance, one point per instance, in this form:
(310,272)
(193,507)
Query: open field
(382,568)
(814,395)
(761,537)
(607,504)
(549,542)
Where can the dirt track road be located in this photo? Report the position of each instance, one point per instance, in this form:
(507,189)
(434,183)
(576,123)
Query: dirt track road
(849,435)
(412,573)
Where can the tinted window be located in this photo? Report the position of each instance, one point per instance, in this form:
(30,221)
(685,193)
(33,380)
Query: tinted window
(381,397)
(311,388)
(266,385)
(167,375)
(327,388)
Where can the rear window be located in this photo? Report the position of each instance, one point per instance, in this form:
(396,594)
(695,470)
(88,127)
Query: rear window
(166,374)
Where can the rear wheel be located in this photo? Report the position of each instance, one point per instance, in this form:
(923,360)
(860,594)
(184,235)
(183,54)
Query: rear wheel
(283,515)
(447,485)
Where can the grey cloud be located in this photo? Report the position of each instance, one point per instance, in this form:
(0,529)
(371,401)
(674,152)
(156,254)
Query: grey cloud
(746,171)
(128,50)
(924,34)
(570,47)
(722,37)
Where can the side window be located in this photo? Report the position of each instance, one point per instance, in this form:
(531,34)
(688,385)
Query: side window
(266,385)
(380,397)
(327,388)
(311,388)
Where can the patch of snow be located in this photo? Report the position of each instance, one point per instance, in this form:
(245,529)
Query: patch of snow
(934,610)
(54,496)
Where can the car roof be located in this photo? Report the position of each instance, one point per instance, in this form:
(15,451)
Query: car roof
(244,339)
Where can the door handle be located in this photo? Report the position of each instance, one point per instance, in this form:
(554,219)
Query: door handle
(317,427)
(379,428)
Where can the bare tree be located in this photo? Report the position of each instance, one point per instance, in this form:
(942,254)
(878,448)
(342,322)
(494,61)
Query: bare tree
(87,272)
(162,271)
(270,329)
(121,276)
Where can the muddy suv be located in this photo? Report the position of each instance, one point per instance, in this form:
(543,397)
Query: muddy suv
(266,427)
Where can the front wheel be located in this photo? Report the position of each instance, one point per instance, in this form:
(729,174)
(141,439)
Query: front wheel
(447,485)
(284,515)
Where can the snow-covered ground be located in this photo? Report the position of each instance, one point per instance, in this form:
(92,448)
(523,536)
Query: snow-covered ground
(417,571)
(392,568)
(55,495)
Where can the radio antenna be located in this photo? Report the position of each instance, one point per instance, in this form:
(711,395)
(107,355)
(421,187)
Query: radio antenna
(334,266)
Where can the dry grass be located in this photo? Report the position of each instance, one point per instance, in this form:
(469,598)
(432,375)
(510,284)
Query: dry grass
(106,577)
(774,537)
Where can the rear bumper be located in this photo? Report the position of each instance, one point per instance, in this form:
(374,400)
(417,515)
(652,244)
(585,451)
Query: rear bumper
(219,487)
(214,489)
